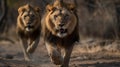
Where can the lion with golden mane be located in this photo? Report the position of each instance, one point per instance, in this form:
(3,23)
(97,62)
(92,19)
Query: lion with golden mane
(60,31)
(28,29)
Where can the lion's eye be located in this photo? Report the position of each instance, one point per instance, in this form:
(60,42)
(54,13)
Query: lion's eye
(66,16)
(55,16)
(54,8)
(25,16)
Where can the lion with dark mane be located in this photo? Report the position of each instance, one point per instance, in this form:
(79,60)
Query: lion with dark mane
(60,31)
(28,29)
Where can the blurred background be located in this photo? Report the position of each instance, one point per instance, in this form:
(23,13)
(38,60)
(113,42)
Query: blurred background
(99,26)
(97,18)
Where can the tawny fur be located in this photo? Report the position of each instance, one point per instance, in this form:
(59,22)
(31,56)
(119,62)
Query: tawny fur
(55,43)
(28,29)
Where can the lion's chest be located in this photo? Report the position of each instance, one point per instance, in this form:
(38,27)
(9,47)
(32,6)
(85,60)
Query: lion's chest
(32,35)
(64,42)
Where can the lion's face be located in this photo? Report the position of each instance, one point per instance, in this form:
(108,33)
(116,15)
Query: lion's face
(61,20)
(29,17)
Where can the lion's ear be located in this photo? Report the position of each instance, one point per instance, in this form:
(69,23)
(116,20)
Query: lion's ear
(71,6)
(21,10)
(49,7)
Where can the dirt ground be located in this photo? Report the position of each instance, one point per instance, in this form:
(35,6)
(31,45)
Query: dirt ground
(11,56)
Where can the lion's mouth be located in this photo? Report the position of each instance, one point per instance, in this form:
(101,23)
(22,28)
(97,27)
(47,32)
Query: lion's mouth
(28,28)
(62,32)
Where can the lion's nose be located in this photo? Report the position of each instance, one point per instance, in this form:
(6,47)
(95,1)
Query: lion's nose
(29,23)
(61,25)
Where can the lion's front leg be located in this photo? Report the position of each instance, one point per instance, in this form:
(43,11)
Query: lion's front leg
(54,53)
(24,45)
(33,45)
(67,54)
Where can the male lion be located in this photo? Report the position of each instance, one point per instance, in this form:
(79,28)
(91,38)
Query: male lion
(60,31)
(28,29)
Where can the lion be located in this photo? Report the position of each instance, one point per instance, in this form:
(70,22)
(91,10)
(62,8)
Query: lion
(28,29)
(60,31)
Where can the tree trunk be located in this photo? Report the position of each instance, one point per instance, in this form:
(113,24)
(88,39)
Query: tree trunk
(3,14)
